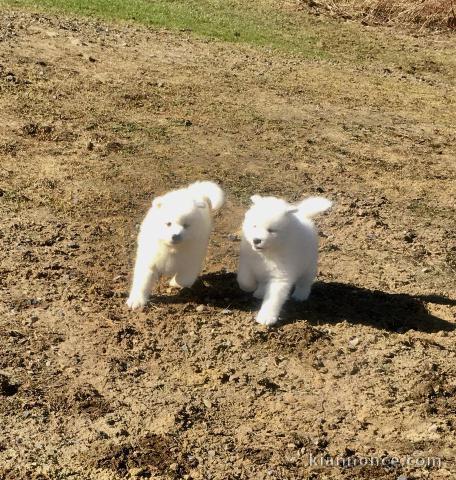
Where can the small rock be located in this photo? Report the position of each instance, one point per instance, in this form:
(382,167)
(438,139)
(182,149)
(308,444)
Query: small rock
(353,343)
(200,308)
(207,403)
(226,311)
(76,42)
(426,270)
(402,477)
(434,428)
(409,236)
(136,472)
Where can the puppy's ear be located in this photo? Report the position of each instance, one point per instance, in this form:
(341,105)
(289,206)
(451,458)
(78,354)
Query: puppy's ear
(157,202)
(255,198)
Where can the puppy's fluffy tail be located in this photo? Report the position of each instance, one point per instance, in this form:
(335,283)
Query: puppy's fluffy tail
(210,192)
(312,206)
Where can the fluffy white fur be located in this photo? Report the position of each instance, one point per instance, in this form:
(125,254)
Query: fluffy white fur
(173,239)
(279,251)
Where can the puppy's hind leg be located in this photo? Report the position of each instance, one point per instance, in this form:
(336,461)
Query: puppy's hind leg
(188,272)
(245,277)
(303,286)
(260,291)
(184,279)
(275,296)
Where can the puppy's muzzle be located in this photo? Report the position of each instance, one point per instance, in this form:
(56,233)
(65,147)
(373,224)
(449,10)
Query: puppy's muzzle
(176,238)
(257,243)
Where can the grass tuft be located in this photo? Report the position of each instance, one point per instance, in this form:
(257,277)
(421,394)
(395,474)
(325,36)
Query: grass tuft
(434,14)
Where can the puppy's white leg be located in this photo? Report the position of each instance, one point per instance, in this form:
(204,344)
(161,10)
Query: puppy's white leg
(303,286)
(144,278)
(275,296)
(260,291)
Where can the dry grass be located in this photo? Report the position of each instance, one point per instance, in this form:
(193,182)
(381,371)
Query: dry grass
(435,14)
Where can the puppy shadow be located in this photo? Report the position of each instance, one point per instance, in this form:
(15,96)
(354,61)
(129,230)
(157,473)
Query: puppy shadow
(329,303)
(217,289)
(333,302)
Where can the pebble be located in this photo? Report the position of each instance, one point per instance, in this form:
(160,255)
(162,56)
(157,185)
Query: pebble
(353,343)
(426,270)
(226,311)
(200,308)
(409,236)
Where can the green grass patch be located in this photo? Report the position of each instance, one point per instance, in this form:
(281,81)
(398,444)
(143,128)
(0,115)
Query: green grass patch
(249,22)
(261,23)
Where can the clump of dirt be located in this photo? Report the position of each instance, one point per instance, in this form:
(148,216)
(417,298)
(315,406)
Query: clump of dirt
(146,457)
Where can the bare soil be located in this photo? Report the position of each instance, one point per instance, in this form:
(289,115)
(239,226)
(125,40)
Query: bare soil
(96,120)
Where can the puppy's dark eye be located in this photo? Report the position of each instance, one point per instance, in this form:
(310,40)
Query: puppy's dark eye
(272,230)
(185,225)
(168,224)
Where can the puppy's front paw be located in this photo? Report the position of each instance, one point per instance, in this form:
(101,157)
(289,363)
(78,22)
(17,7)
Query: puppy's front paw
(266,318)
(136,301)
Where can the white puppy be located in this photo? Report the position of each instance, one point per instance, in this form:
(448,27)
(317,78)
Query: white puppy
(279,250)
(173,239)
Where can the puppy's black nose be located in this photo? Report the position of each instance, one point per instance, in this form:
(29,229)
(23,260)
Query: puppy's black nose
(176,237)
(256,241)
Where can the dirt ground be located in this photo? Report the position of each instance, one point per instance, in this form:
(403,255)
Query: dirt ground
(95,120)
